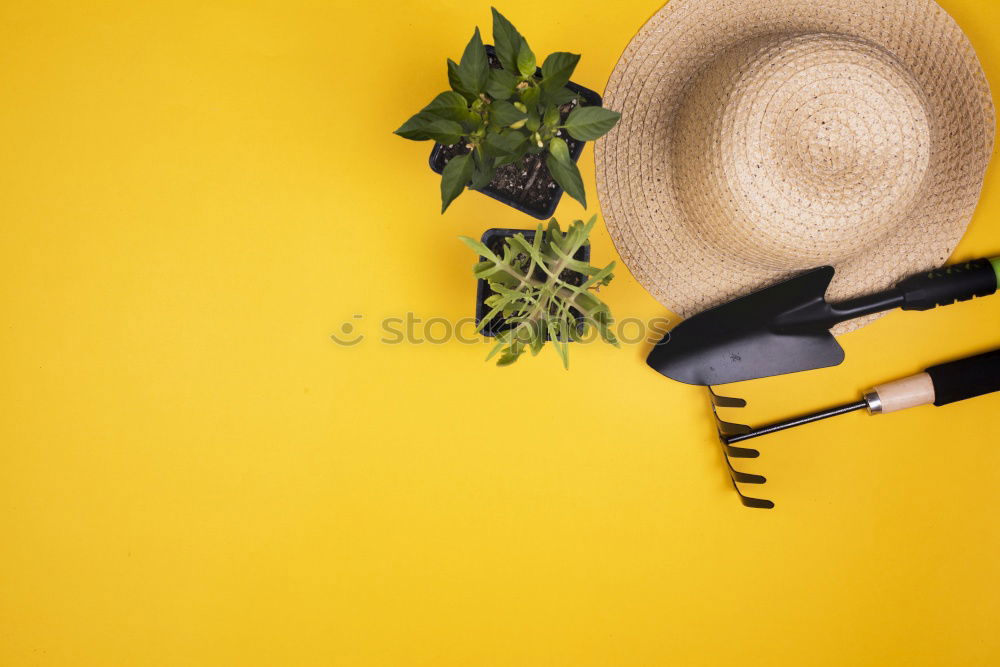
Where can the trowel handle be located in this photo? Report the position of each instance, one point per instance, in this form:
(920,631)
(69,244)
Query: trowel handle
(958,282)
(939,385)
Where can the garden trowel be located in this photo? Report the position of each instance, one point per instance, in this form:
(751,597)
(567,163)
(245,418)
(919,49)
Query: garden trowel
(785,328)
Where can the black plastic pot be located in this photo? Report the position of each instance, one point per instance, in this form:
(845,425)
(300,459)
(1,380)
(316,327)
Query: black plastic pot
(588,97)
(494,240)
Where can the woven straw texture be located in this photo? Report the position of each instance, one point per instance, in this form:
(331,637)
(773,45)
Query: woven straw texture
(761,139)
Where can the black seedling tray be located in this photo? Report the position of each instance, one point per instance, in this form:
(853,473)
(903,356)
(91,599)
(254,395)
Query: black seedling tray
(494,240)
(588,97)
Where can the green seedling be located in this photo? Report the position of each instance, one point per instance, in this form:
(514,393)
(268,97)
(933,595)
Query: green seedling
(541,290)
(501,115)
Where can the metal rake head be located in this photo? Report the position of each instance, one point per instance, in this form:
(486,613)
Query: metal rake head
(727,430)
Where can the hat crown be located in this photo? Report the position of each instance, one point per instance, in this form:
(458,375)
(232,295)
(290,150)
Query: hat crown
(793,150)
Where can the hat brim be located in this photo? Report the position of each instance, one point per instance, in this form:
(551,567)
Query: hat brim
(635,181)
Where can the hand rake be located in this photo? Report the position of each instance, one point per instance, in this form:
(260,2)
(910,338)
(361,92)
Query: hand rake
(938,385)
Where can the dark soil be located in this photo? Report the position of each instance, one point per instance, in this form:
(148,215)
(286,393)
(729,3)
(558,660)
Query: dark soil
(528,182)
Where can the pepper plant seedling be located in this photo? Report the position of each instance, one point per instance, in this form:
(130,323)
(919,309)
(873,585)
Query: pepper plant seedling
(501,115)
(542,291)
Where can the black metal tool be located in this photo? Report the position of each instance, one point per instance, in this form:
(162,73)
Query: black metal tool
(785,328)
(938,385)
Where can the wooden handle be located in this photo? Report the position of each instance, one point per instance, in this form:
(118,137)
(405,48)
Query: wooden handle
(908,392)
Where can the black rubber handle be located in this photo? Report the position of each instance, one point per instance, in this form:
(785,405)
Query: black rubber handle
(966,378)
(940,287)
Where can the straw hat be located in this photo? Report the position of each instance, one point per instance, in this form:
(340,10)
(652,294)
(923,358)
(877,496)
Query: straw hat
(765,137)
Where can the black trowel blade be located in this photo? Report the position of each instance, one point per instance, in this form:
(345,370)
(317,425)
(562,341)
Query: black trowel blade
(741,340)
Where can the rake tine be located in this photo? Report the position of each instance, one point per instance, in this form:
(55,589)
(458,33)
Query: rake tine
(744,477)
(747,478)
(726,401)
(749,501)
(739,452)
(727,430)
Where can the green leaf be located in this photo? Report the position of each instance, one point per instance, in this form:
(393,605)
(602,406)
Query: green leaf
(455,81)
(559,150)
(562,347)
(506,41)
(536,338)
(481,178)
(551,117)
(453,106)
(558,97)
(479,248)
(534,119)
(589,123)
(529,96)
(414,128)
(557,69)
(425,126)
(602,277)
(508,159)
(444,131)
(454,178)
(568,176)
(509,357)
(501,84)
(483,170)
(499,344)
(473,68)
(505,143)
(449,105)
(484,270)
(504,113)
(473,122)
(525,59)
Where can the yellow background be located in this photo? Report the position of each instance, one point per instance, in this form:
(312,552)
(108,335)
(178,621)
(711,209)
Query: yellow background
(194,196)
